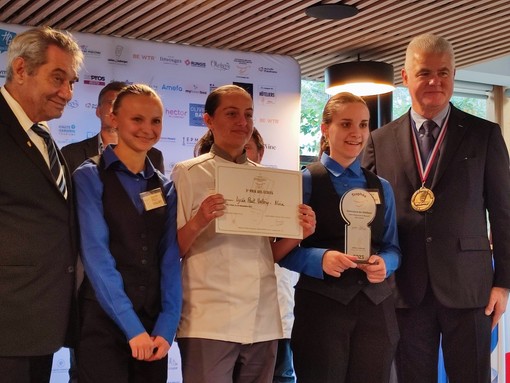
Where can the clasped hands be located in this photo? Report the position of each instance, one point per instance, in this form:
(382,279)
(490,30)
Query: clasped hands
(148,348)
(334,263)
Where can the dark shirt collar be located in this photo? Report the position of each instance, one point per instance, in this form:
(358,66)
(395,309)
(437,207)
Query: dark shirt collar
(223,154)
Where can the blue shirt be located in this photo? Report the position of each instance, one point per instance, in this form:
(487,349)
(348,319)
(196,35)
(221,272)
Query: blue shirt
(98,260)
(309,260)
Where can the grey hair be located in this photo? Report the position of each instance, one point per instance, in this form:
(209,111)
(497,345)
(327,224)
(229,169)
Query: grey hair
(32,46)
(429,43)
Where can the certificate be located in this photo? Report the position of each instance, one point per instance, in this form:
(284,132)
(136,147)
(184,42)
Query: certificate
(259,201)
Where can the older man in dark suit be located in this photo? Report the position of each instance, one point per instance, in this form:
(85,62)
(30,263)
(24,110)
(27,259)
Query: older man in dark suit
(76,153)
(37,232)
(446,178)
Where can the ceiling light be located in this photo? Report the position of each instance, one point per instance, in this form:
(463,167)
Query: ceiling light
(362,78)
(331,11)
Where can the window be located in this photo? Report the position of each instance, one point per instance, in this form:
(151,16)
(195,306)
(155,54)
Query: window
(471,99)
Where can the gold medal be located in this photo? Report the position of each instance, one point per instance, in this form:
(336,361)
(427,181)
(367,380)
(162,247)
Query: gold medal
(422,199)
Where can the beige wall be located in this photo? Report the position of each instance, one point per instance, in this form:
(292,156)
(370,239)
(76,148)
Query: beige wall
(498,110)
(505,123)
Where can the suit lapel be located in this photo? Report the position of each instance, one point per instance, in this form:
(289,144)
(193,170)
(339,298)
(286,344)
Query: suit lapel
(452,141)
(403,142)
(10,123)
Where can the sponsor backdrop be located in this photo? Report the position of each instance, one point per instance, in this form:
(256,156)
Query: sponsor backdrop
(182,76)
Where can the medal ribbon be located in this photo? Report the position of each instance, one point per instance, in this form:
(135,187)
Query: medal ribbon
(424,173)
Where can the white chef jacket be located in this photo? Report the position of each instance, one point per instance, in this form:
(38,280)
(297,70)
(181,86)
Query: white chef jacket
(229,284)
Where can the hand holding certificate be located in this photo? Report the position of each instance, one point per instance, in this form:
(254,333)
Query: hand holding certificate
(259,201)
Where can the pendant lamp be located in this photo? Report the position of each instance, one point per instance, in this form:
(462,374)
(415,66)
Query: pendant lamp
(362,78)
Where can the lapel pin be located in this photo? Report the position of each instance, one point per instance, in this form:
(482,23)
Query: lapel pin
(29,143)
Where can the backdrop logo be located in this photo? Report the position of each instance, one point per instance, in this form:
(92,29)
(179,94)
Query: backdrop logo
(195,89)
(242,67)
(73,104)
(176,113)
(90,105)
(170,60)
(267,94)
(5,39)
(220,66)
(195,64)
(189,141)
(90,52)
(270,121)
(171,88)
(167,139)
(3,73)
(61,363)
(172,364)
(67,130)
(118,56)
(269,147)
(138,56)
(94,79)
(264,69)
(196,115)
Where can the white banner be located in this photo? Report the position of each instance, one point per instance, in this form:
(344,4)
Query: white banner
(183,76)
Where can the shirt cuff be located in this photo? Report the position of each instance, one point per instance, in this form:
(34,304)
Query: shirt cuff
(130,324)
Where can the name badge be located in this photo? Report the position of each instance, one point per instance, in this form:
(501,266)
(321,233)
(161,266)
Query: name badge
(152,199)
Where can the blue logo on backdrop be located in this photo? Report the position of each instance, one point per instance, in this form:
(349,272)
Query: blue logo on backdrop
(196,115)
(5,39)
(73,104)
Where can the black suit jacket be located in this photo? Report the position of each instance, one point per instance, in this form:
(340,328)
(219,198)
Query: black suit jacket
(77,152)
(448,244)
(37,247)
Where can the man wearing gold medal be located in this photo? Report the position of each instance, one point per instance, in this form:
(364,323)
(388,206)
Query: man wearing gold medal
(448,169)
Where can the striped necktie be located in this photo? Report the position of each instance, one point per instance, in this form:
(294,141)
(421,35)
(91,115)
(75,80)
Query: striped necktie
(56,167)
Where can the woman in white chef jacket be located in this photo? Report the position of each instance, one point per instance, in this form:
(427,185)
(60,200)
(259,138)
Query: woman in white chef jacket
(230,320)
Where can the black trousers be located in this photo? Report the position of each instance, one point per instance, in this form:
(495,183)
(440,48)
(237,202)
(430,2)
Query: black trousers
(336,343)
(26,369)
(465,336)
(103,353)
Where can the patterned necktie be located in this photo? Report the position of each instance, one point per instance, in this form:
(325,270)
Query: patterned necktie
(427,140)
(55,167)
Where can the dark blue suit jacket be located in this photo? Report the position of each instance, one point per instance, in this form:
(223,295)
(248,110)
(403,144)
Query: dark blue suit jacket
(449,244)
(38,247)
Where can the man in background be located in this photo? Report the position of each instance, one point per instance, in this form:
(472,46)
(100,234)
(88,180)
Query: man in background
(76,153)
(38,246)
(448,169)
